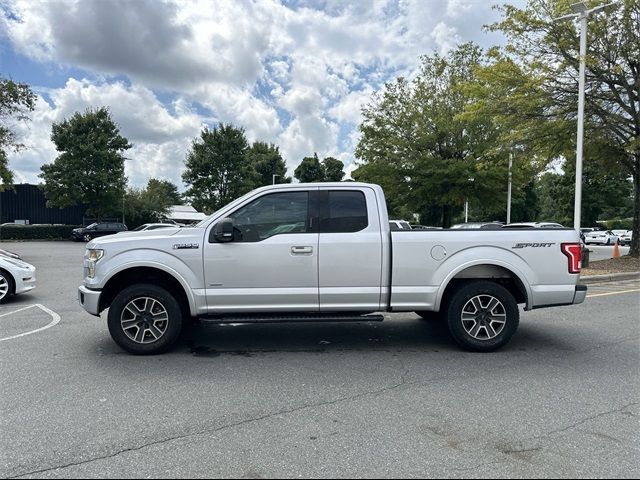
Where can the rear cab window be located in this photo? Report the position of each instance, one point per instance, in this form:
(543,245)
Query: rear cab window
(344,211)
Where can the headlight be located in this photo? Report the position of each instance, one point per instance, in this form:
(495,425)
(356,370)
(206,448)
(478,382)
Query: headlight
(95,254)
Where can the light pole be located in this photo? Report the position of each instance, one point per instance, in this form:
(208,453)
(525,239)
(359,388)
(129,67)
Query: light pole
(581,12)
(509,190)
(466,203)
(274,178)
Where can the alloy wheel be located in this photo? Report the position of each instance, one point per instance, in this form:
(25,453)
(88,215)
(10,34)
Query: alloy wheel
(144,320)
(4,287)
(484,317)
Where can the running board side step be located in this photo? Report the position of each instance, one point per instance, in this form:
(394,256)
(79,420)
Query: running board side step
(289,318)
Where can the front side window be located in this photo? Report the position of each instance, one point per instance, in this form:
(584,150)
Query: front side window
(347,212)
(270,215)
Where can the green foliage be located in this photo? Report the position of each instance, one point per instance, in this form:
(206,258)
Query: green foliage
(418,145)
(617,224)
(90,168)
(531,87)
(311,170)
(217,170)
(606,193)
(35,232)
(17,100)
(150,204)
(267,161)
(334,169)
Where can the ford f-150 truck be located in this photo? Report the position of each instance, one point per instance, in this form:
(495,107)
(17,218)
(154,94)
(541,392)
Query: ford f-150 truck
(324,252)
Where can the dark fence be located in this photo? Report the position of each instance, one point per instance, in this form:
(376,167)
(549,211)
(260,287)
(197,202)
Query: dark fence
(27,202)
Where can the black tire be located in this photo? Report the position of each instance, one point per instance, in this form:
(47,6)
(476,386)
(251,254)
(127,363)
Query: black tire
(7,285)
(486,321)
(429,315)
(138,293)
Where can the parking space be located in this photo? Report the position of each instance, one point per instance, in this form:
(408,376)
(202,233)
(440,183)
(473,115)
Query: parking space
(396,398)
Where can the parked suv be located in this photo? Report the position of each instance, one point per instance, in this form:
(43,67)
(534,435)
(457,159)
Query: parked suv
(97,230)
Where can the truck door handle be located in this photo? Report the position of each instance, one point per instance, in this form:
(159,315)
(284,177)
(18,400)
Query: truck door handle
(301,250)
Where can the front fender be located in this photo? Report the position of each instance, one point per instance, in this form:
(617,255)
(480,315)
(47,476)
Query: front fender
(187,270)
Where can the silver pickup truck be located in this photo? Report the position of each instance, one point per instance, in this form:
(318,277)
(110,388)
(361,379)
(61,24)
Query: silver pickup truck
(324,253)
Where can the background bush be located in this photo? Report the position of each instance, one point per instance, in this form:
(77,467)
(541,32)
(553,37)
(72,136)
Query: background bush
(35,232)
(617,224)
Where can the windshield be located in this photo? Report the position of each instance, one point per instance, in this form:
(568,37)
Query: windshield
(93,225)
(141,227)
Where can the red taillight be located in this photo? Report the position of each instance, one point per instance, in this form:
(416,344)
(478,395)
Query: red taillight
(573,251)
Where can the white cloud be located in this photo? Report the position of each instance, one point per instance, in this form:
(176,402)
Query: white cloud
(160,138)
(446,37)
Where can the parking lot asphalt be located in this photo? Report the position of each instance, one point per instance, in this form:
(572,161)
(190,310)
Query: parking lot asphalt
(391,399)
(603,252)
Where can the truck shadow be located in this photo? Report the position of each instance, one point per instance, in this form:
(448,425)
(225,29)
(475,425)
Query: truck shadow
(250,339)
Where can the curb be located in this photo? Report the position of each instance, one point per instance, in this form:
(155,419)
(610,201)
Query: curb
(610,277)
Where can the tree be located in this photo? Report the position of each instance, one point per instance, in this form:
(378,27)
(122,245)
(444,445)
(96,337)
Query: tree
(17,100)
(150,204)
(216,168)
(532,84)
(334,169)
(418,145)
(266,161)
(90,167)
(163,194)
(310,170)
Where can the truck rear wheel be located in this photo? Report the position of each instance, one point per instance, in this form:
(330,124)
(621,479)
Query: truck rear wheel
(145,319)
(482,316)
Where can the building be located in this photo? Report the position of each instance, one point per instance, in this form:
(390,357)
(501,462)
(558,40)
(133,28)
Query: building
(185,214)
(25,203)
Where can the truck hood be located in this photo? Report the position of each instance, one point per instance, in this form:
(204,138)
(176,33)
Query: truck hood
(149,239)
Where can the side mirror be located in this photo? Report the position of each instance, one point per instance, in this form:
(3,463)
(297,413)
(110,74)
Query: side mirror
(223,231)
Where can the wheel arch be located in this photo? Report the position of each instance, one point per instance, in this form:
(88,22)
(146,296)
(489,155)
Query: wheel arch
(495,271)
(148,274)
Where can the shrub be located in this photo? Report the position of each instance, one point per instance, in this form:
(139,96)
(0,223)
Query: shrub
(35,232)
(617,224)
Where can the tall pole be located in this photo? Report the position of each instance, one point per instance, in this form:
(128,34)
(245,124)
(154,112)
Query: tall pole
(273,177)
(509,190)
(466,210)
(580,137)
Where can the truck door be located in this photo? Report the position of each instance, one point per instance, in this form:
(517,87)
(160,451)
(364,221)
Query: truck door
(350,250)
(271,265)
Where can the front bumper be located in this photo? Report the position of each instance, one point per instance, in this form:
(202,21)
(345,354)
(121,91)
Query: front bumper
(25,279)
(90,300)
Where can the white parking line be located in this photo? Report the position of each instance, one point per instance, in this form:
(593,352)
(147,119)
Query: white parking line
(55,320)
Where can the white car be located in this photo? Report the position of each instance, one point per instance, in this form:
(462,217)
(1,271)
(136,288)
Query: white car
(602,237)
(625,239)
(16,276)
(153,226)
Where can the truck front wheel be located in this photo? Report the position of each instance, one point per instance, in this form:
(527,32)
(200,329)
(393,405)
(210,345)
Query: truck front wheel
(482,316)
(145,319)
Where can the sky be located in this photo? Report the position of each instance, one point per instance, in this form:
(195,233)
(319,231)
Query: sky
(294,73)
